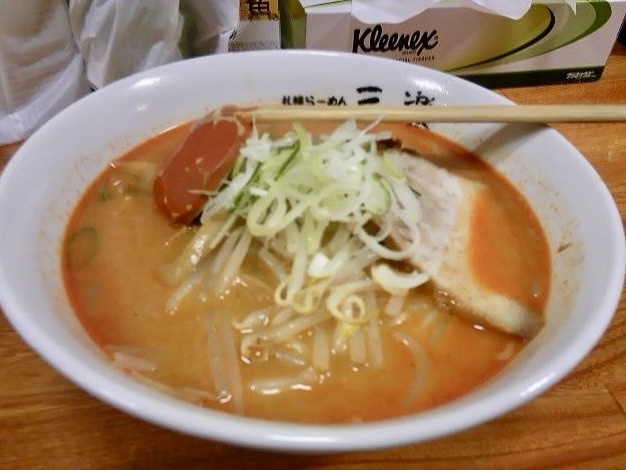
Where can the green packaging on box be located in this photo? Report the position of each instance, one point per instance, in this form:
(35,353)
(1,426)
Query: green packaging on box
(551,43)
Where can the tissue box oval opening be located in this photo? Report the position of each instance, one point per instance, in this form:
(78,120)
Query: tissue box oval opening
(550,44)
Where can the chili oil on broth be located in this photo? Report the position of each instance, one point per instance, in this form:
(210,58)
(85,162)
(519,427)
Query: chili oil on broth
(117,241)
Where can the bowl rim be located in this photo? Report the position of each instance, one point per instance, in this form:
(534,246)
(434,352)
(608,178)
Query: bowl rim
(138,400)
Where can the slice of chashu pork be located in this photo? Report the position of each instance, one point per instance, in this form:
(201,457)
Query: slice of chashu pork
(447,203)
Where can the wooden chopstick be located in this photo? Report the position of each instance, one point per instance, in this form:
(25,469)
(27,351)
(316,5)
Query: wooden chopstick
(539,113)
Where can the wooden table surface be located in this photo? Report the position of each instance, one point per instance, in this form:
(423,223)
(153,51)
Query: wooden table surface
(47,422)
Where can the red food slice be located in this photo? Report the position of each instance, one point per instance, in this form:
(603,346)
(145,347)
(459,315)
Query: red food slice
(201,163)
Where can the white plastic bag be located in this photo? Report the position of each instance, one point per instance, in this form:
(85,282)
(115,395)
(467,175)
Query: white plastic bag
(41,70)
(52,52)
(213,22)
(121,37)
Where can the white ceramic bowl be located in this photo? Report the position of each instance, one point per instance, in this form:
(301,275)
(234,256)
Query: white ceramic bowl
(42,182)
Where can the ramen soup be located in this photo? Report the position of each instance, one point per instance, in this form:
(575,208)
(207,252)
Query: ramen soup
(353,300)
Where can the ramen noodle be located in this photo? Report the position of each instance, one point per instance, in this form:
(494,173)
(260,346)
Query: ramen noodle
(333,274)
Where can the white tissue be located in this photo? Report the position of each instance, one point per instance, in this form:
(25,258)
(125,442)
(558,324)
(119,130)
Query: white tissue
(397,11)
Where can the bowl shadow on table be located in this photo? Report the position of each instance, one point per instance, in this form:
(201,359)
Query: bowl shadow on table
(126,442)
(135,444)
(122,440)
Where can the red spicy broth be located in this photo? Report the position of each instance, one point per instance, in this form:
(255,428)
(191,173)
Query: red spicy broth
(117,241)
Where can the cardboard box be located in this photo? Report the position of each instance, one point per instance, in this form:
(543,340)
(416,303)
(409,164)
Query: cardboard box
(550,44)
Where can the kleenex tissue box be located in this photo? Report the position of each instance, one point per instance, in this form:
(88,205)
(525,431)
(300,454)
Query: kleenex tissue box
(551,43)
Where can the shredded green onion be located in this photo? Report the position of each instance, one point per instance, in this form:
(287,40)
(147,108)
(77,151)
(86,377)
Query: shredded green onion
(324,210)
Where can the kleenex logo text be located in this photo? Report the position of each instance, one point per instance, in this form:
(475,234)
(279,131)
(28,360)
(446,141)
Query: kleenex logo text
(375,40)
